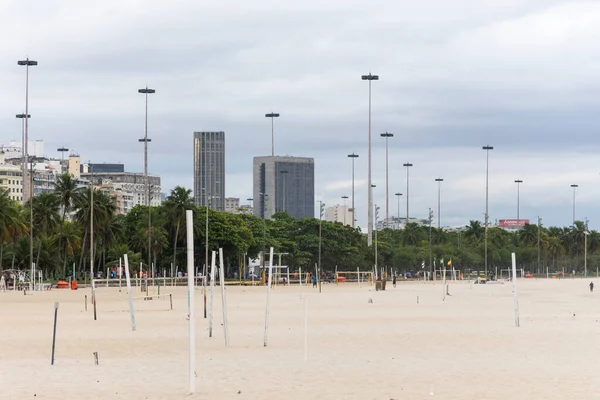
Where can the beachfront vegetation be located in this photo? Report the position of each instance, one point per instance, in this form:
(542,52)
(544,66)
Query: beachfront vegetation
(61,237)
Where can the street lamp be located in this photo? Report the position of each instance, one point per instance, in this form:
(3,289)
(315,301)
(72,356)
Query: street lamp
(574,188)
(407,165)
(62,151)
(585,235)
(321,212)
(283,175)
(272,115)
(27,63)
(539,226)
(32,279)
(431,242)
(386,135)
(487,149)
(398,195)
(439,181)
(376,250)
(518,182)
(345,208)
(145,140)
(370,78)
(24,155)
(353,156)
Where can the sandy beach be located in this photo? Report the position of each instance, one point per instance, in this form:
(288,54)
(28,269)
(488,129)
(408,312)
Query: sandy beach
(465,347)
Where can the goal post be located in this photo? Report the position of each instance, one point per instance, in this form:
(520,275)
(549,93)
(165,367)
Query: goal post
(506,273)
(354,276)
(451,275)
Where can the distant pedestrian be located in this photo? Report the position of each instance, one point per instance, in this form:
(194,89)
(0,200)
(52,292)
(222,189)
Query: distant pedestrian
(314,280)
(591,286)
(394,280)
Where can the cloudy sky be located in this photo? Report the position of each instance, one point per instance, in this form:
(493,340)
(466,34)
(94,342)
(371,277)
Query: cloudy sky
(522,76)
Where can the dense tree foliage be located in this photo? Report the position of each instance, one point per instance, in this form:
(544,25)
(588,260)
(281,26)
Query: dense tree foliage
(61,235)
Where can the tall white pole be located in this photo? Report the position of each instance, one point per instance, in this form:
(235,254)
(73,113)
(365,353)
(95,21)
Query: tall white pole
(300,280)
(514,279)
(223,297)
(444,283)
(306,328)
(189,219)
(128,278)
(212,291)
(268,297)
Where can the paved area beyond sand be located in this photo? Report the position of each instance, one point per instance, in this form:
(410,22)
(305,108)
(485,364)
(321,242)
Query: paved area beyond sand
(465,347)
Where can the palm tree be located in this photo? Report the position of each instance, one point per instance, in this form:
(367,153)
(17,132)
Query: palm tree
(474,230)
(68,239)
(529,235)
(66,190)
(12,223)
(104,209)
(176,204)
(45,216)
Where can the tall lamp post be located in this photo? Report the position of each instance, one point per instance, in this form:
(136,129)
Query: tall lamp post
(407,165)
(31,264)
(539,226)
(145,140)
(487,149)
(321,212)
(518,182)
(370,78)
(398,196)
(62,158)
(345,208)
(24,156)
(574,188)
(352,157)
(272,115)
(27,63)
(386,135)
(283,175)
(585,236)
(439,181)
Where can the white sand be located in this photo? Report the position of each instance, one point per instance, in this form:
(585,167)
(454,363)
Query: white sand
(463,348)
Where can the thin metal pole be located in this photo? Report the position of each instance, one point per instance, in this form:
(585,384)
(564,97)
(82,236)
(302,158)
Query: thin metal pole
(27,193)
(487,158)
(538,243)
(387,210)
(518,200)
(370,205)
(32,279)
(92,227)
(272,136)
(206,254)
(147,182)
(353,156)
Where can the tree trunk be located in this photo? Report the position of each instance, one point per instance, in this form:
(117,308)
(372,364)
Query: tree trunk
(83,247)
(175,245)
(1,255)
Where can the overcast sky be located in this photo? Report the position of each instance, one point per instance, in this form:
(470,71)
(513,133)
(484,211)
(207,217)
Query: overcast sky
(522,76)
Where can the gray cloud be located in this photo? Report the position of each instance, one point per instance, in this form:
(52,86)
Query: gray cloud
(522,76)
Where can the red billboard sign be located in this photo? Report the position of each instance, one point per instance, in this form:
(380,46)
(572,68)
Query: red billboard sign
(512,223)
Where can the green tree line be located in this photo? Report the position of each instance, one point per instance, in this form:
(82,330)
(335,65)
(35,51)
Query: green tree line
(61,238)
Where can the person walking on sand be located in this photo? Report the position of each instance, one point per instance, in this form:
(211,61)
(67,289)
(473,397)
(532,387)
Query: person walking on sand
(394,280)
(591,286)
(314,281)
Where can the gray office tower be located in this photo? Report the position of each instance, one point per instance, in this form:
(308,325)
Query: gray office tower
(288,184)
(209,169)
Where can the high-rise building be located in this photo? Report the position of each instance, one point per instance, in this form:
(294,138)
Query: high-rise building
(284,184)
(209,169)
